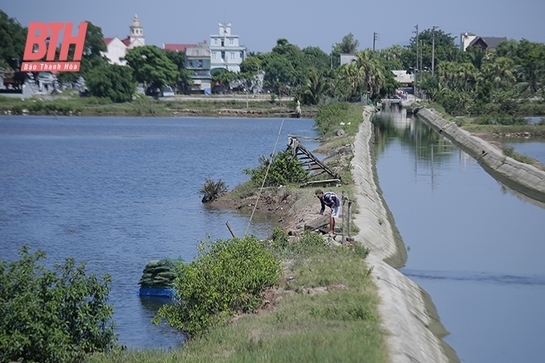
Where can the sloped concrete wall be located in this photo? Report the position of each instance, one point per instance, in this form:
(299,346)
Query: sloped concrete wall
(521,177)
(407,312)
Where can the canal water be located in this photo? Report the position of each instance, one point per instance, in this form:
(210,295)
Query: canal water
(117,192)
(474,245)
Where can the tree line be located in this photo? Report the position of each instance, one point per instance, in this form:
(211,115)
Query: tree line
(465,82)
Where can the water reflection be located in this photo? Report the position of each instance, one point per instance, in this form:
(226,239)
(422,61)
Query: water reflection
(475,276)
(474,245)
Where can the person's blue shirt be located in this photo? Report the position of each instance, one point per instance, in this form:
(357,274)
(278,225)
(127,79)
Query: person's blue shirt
(329,199)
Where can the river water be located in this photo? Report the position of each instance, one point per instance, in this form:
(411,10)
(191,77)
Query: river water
(475,246)
(117,192)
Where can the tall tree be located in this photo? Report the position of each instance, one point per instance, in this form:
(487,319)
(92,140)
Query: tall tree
(279,72)
(316,58)
(371,71)
(12,42)
(348,45)
(151,66)
(314,88)
(92,54)
(445,48)
(112,81)
(178,58)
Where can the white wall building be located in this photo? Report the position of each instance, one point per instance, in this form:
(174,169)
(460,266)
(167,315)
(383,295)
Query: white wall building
(466,39)
(117,48)
(225,49)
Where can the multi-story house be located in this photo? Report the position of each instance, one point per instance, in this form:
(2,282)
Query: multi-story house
(197,61)
(225,49)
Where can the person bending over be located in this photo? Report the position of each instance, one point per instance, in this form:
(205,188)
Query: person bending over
(331,200)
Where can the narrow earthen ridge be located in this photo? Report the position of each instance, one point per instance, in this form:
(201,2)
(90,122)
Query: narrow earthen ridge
(524,178)
(408,314)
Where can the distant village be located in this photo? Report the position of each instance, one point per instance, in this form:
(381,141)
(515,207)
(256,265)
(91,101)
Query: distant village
(222,51)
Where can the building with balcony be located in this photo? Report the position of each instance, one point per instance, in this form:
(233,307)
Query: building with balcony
(225,50)
(197,62)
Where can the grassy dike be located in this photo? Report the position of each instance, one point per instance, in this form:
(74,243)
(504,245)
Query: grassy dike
(324,309)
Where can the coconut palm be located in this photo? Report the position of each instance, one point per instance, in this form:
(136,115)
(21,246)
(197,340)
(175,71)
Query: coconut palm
(371,71)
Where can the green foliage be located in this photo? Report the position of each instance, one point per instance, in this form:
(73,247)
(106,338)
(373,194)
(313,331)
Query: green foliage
(212,190)
(348,45)
(12,42)
(284,169)
(178,59)
(228,276)
(330,116)
(510,151)
(309,243)
(111,81)
(314,88)
(446,49)
(52,316)
(496,117)
(151,66)
(280,239)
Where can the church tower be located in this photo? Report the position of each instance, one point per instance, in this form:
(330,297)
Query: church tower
(137,33)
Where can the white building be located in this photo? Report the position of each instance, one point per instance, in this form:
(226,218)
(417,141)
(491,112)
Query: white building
(117,48)
(466,39)
(347,58)
(225,49)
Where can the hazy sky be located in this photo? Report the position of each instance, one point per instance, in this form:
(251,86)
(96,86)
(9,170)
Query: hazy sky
(304,23)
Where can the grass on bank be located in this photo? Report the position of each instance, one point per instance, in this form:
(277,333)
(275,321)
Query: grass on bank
(71,104)
(327,311)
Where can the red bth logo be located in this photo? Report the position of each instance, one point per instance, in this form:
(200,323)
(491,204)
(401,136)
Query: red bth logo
(42,41)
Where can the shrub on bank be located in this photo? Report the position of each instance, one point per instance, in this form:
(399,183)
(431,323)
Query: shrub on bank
(52,316)
(284,169)
(212,190)
(340,115)
(227,277)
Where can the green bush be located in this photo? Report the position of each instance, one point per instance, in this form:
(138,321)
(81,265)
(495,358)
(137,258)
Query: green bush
(330,116)
(228,276)
(285,169)
(52,316)
(212,190)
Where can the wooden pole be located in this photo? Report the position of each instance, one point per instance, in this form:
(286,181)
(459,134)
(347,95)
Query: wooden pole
(230,229)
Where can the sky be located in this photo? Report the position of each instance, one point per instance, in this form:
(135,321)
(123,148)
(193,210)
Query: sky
(318,23)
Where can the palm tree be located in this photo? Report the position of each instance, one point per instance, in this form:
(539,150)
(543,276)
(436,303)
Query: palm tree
(314,88)
(371,71)
(500,72)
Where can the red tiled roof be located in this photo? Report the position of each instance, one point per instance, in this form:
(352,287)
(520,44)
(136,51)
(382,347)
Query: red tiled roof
(126,41)
(107,40)
(178,47)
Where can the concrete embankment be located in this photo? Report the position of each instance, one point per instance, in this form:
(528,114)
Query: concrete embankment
(407,312)
(521,177)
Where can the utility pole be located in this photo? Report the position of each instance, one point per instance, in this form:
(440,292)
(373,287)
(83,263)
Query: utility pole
(421,66)
(331,57)
(375,38)
(416,65)
(433,50)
